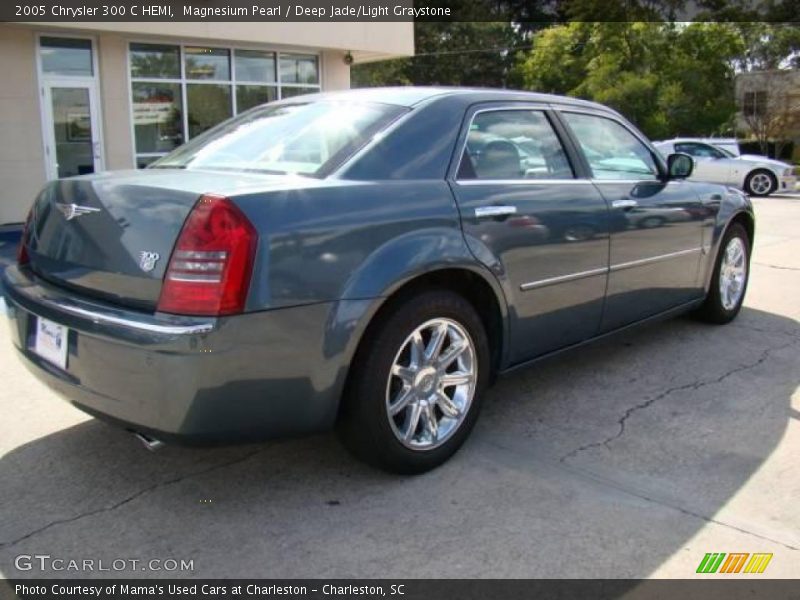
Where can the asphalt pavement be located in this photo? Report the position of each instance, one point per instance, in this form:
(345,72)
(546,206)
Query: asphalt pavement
(633,457)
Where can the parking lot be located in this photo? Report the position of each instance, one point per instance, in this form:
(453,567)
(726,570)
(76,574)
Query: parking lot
(629,458)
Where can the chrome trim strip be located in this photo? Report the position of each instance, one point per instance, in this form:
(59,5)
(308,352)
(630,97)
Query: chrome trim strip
(520,181)
(653,259)
(603,270)
(100,318)
(28,298)
(562,279)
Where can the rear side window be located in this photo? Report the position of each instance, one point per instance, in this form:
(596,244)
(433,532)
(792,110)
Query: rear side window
(613,152)
(513,144)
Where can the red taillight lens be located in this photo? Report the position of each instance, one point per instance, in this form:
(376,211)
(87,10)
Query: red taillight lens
(22,249)
(209,271)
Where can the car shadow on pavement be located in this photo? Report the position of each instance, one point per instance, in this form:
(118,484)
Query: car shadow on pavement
(631,445)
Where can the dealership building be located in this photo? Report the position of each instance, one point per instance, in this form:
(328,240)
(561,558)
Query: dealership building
(84,97)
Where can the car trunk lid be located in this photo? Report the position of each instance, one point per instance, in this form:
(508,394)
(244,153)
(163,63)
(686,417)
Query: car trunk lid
(111,235)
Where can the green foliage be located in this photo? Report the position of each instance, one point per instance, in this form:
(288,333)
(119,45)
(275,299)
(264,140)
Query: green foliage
(449,53)
(670,79)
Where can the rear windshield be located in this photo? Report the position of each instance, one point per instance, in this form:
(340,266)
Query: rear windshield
(304,138)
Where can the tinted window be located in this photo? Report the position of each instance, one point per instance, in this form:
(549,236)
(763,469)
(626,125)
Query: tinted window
(63,56)
(253,65)
(296,68)
(155,61)
(699,150)
(613,152)
(513,144)
(207,63)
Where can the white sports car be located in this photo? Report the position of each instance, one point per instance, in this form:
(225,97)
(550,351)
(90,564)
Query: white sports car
(756,175)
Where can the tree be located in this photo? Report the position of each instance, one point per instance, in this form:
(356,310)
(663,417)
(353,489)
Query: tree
(670,79)
(479,49)
(449,53)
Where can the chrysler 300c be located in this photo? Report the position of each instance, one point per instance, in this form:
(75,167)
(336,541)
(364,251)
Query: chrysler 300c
(369,260)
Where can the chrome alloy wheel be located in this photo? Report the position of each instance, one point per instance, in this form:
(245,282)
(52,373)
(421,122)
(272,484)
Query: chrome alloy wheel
(761,183)
(431,384)
(732,273)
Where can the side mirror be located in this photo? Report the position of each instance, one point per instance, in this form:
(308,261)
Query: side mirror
(679,165)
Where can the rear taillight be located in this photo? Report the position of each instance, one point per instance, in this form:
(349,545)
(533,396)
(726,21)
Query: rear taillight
(22,249)
(209,271)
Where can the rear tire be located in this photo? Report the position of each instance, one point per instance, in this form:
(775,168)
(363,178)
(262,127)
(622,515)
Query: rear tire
(760,183)
(394,416)
(730,277)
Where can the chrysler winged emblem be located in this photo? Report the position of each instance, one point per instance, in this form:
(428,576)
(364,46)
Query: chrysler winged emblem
(147,260)
(70,211)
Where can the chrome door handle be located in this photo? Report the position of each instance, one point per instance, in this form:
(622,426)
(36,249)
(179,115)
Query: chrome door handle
(495,211)
(624,204)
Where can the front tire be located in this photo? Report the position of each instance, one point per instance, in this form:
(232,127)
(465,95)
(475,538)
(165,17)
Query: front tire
(760,183)
(417,382)
(729,281)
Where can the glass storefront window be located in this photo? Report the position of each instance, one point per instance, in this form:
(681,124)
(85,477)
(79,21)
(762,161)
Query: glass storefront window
(291,92)
(253,65)
(157,116)
(207,105)
(248,96)
(207,63)
(299,69)
(155,61)
(178,92)
(66,56)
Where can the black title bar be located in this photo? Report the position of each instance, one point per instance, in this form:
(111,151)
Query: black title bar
(712,588)
(396,10)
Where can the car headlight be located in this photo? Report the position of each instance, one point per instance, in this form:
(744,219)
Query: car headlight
(788,172)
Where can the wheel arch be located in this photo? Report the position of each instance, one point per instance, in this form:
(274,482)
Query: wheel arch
(471,281)
(743,216)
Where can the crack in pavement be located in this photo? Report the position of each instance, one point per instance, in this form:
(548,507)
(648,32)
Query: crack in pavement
(760,264)
(130,498)
(695,385)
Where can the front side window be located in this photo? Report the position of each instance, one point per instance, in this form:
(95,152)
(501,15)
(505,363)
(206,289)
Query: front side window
(698,150)
(613,152)
(302,139)
(179,92)
(513,144)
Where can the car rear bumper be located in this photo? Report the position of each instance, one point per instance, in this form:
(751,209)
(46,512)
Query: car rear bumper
(186,379)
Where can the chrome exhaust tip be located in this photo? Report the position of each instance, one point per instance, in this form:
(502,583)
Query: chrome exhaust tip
(151,444)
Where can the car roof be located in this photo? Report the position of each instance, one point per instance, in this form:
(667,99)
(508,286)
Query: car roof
(409,96)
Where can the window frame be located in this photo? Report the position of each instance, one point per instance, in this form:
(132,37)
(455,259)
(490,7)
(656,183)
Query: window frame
(42,80)
(232,82)
(661,167)
(466,125)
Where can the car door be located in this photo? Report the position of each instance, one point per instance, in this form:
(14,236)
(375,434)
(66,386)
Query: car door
(656,241)
(710,164)
(536,221)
